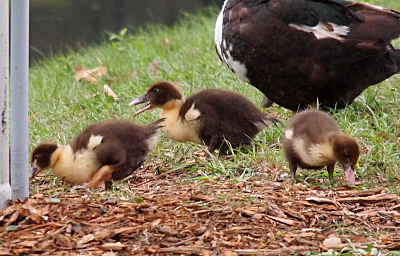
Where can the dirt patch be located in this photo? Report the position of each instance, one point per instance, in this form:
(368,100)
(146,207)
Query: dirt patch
(202,218)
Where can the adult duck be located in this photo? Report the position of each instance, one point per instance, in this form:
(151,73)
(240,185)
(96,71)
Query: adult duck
(300,52)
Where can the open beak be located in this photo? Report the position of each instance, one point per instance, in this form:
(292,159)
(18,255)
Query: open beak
(33,172)
(349,174)
(140,100)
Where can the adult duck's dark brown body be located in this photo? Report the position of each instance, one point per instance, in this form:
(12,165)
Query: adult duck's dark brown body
(207,117)
(298,52)
(103,151)
(313,140)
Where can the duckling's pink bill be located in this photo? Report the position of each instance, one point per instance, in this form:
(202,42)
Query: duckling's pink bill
(140,100)
(147,107)
(350,176)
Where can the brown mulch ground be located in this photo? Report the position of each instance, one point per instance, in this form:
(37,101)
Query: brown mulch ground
(209,217)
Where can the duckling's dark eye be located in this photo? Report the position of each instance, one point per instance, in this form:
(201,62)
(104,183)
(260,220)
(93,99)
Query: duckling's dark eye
(346,155)
(35,157)
(156,90)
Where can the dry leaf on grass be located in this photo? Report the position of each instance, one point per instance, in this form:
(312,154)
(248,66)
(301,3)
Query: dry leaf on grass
(155,68)
(110,92)
(167,43)
(90,75)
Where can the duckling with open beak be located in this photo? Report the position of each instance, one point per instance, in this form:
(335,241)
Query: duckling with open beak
(210,117)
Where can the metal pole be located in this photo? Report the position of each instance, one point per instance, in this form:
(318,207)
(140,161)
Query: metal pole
(19,98)
(5,188)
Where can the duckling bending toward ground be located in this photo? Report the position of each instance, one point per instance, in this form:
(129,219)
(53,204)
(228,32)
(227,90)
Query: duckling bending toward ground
(208,117)
(104,151)
(314,140)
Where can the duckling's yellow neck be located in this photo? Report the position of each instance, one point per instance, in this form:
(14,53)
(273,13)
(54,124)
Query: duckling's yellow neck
(74,168)
(177,129)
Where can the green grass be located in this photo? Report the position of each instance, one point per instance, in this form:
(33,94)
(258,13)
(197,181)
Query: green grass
(60,107)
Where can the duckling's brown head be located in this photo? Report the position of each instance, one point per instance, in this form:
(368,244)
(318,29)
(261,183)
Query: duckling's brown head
(347,151)
(41,158)
(159,95)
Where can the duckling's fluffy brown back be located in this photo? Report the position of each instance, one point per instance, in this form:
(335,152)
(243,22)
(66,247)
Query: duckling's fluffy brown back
(103,151)
(122,142)
(227,115)
(208,117)
(314,126)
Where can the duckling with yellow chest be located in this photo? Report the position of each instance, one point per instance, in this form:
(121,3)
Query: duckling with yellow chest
(313,140)
(208,117)
(103,151)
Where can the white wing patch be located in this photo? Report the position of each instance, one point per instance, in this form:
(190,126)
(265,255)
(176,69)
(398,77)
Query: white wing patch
(321,30)
(218,30)
(94,141)
(289,134)
(237,67)
(192,113)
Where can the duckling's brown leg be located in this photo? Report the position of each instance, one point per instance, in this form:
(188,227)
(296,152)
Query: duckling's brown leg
(293,169)
(212,146)
(103,174)
(108,184)
(330,169)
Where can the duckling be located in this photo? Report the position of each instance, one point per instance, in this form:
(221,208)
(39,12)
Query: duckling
(208,117)
(313,140)
(103,151)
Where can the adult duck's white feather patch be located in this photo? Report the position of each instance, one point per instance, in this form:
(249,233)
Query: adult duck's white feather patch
(224,50)
(237,67)
(192,113)
(218,29)
(289,134)
(327,30)
(94,141)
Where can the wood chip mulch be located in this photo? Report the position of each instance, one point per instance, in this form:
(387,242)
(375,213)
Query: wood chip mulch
(165,217)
